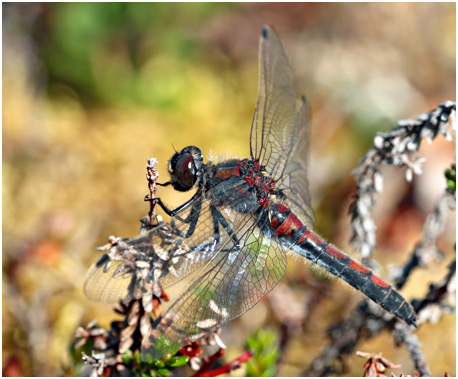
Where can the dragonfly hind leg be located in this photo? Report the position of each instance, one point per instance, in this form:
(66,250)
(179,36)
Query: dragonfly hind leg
(218,219)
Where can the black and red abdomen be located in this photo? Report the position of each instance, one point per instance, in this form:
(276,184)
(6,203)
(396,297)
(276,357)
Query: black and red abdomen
(294,235)
(288,226)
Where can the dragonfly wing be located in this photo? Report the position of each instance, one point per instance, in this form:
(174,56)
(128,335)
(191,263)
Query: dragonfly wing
(229,285)
(280,129)
(273,126)
(100,285)
(293,182)
(183,245)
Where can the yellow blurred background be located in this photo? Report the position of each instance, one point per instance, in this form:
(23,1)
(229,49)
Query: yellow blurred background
(90,91)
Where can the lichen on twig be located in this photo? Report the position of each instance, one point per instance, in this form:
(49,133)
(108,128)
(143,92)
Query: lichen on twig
(397,148)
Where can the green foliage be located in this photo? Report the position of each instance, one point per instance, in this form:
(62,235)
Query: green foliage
(153,367)
(263,362)
(108,53)
(450,176)
(176,361)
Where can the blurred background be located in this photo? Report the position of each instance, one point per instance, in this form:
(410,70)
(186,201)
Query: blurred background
(90,91)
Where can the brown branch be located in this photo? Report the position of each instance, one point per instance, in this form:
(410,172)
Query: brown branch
(367,320)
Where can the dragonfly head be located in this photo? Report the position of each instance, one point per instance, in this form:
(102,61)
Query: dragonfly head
(186,168)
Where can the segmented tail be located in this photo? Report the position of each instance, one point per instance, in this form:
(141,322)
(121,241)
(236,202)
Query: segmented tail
(295,235)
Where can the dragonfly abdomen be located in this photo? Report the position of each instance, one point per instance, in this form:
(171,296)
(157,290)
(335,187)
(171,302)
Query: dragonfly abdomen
(296,236)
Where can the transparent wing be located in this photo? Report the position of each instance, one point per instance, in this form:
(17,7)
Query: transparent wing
(186,243)
(228,286)
(280,130)
(100,285)
(293,182)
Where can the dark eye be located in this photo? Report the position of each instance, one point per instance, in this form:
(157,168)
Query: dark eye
(184,171)
(185,168)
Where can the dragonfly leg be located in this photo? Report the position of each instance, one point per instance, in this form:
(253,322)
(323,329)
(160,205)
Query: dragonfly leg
(173,212)
(191,219)
(218,218)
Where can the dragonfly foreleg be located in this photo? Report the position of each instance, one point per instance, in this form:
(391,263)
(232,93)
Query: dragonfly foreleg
(191,219)
(174,212)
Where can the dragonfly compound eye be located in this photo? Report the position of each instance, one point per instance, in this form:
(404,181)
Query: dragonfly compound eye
(185,168)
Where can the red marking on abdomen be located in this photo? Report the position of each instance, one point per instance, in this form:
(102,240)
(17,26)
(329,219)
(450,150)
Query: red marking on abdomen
(356,266)
(314,238)
(291,222)
(303,236)
(283,208)
(310,236)
(379,281)
(228,173)
(336,253)
(274,222)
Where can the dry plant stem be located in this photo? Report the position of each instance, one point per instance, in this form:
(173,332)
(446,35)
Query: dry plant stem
(402,333)
(363,323)
(343,339)
(145,263)
(31,317)
(126,334)
(397,148)
(437,294)
(426,249)
(152,176)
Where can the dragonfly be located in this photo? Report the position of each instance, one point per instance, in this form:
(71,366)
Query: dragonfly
(241,222)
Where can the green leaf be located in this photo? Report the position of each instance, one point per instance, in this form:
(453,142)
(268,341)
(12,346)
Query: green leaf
(166,346)
(138,357)
(177,361)
(163,371)
(263,362)
(127,357)
(450,175)
(158,363)
(451,184)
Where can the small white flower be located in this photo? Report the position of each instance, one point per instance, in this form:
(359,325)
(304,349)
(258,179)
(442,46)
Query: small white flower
(196,363)
(219,341)
(412,145)
(378,181)
(379,141)
(409,175)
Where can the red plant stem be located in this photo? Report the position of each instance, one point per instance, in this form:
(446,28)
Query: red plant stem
(209,361)
(227,368)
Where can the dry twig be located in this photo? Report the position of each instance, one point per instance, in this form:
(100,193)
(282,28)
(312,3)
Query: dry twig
(397,148)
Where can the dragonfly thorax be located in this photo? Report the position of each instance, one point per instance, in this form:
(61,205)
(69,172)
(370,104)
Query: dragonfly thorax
(254,176)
